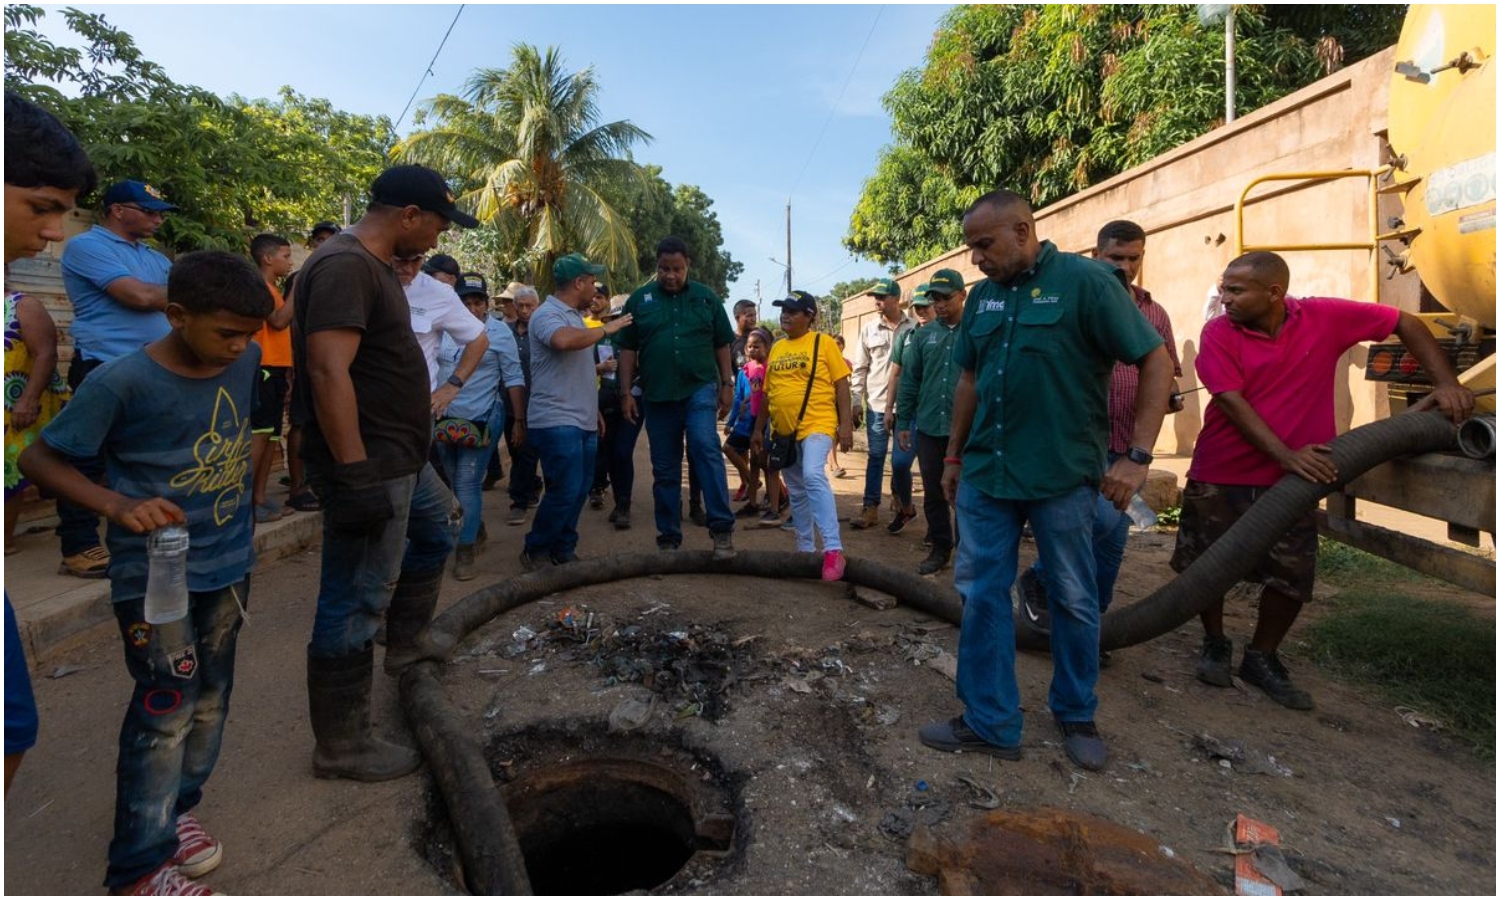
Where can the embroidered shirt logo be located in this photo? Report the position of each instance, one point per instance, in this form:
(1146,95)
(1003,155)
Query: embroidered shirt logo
(222,457)
(993,306)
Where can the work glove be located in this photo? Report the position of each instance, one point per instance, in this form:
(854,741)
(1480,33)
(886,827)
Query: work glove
(357,502)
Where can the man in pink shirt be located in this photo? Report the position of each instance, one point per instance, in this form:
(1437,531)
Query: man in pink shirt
(1270,363)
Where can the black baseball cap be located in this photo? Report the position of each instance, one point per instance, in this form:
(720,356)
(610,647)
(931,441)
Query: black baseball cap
(472,283)
(442,262)
(421,187)
(324,227)
(799,301)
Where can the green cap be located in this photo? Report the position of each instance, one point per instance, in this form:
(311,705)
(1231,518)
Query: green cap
(945,282)
(919,296)
(885,287)
(574,266)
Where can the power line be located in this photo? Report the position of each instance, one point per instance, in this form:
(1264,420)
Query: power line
(428,71)
(834,109)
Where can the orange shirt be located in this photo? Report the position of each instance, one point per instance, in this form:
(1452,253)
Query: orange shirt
(275,346)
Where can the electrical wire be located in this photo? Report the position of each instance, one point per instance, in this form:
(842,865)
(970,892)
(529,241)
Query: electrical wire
(426,73)
(826,122)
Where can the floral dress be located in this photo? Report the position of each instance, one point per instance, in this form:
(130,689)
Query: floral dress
(18,362)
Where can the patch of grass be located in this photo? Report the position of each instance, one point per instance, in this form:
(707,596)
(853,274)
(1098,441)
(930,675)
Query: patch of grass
(1343,565)
(1172,516)
(1432,656)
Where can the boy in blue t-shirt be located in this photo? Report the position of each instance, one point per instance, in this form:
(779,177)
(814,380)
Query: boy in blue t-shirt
(172,421)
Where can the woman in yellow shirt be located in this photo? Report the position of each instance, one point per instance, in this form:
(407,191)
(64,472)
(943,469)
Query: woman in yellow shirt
(827,418)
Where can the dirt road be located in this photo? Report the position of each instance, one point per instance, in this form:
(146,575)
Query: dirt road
(813,740)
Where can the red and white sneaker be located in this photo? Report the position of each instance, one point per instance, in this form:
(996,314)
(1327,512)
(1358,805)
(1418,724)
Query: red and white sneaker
(833,565)
(739,495)
(197,853)
(166,881)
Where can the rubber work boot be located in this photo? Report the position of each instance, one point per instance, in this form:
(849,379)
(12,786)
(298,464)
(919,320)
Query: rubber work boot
(338,698)
(868,517)
(463,563)
(406,618)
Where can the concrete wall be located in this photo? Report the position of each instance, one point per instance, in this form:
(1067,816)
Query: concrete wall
(1185,201)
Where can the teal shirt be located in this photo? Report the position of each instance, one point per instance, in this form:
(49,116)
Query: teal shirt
(676,336)
(1042,348)
(928,376)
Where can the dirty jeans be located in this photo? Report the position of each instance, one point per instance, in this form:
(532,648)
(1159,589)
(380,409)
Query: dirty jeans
(1111,534)
(360,570)
(811,495)
(695,417)
(183,673)
(879,440)
(983,575)
(465,468)
(567,455)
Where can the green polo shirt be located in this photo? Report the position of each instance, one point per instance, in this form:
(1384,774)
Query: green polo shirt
(928,374)
(676,336)
(1042,348)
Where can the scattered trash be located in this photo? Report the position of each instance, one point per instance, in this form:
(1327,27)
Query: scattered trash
(538,668)
(945,663)
(1417,720)
(631,713)
(1260,869)
(65,671)
(922,785)
(1239,757)
(1153,677)
(798,685)
(985,798)
(1168,852)
(1395,822)
(887,715)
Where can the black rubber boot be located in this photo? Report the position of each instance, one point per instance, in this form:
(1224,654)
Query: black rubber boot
(338,699)
(406,620)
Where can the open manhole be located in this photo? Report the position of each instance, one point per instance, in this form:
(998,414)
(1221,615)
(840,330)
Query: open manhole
(598,814)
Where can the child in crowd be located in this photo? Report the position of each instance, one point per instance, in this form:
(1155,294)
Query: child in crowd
(172,421)
(807,397)
(834,466)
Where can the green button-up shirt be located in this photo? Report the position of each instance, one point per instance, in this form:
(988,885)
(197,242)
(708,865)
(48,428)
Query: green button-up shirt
(1041,348)
(676,336)
(928,374)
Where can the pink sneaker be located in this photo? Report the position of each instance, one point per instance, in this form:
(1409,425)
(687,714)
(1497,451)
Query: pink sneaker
(166,881)
(833,565)
(197,853)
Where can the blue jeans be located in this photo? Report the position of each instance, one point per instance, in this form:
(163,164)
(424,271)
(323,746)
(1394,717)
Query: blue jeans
(901,466)
(696,418)
(987,641)
(169,742)
(1111,533)
(567,456)
(811,495)
(466,470)
(360,571)
(880,444)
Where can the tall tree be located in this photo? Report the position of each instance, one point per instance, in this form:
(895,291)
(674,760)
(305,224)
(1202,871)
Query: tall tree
(532,161)
(658,209)
(1048,100)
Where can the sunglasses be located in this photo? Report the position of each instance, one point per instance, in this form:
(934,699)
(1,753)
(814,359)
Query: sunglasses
(144,211)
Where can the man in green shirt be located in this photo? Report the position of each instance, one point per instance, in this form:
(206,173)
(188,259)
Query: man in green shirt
(1035,348)
(924,404)
(679,344)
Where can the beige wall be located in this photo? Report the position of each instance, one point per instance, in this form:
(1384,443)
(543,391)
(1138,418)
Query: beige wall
(1185,201)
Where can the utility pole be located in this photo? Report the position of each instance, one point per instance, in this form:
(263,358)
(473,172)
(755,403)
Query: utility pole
(759,313)
(789,246)
(1229,73)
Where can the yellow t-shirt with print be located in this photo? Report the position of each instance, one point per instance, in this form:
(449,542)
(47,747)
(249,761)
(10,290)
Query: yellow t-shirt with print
(786,383)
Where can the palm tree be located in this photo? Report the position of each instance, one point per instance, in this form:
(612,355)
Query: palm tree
(532,161)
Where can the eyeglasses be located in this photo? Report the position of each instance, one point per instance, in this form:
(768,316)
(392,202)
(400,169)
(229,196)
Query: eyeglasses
(144,211)
(407,260)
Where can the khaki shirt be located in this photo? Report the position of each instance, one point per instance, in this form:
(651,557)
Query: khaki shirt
(872,370)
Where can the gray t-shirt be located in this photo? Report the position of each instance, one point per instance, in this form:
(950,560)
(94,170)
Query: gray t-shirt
(563,385)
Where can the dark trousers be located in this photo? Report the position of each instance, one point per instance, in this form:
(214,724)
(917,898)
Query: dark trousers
(525,484)
(615,465)
(77,526)
(935,507)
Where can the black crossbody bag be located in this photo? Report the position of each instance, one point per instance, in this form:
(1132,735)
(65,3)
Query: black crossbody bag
(782,453)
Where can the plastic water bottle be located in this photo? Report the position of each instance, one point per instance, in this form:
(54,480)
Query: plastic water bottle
(1140,513)
(166,579)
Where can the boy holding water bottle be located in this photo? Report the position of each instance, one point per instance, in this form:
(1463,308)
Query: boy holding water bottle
(172,421)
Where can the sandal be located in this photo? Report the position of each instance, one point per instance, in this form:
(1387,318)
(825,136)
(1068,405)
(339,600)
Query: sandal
(306,501)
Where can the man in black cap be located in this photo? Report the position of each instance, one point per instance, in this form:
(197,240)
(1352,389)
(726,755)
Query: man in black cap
(118,287)
(389,523)
(444,268)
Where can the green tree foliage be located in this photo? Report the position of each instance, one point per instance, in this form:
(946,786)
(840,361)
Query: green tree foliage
(1048,100)
(657,209)
(234,167)
(531,160)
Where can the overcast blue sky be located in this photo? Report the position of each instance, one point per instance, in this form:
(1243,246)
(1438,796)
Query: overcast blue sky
(734,96)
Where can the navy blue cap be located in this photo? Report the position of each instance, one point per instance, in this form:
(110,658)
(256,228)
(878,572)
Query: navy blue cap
(139,193)
(800,301)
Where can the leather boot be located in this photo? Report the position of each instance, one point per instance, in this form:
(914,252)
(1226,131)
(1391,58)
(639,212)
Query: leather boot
(406,619)
(463,563)
(338,699)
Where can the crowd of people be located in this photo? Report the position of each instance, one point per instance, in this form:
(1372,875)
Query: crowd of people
(399,375)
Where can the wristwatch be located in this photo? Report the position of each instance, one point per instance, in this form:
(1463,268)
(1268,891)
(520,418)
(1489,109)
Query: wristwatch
(726,384)
(455,381)
(1138,456)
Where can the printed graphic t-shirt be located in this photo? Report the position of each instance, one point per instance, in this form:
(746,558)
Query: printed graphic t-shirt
(787,370)
(184,439)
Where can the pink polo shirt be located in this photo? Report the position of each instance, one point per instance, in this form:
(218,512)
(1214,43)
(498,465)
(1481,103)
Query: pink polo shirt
(1287,380)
